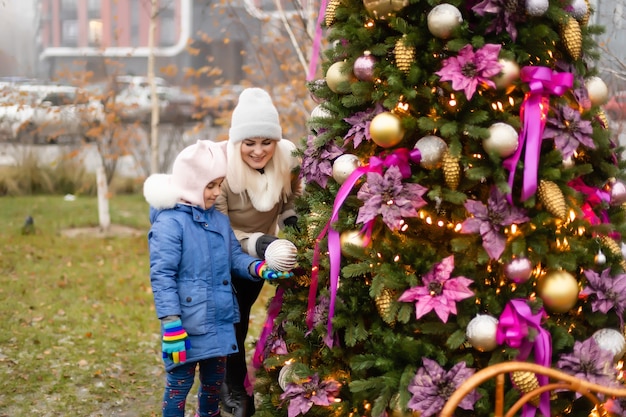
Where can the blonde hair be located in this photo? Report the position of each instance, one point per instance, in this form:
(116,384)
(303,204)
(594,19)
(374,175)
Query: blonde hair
(264,190)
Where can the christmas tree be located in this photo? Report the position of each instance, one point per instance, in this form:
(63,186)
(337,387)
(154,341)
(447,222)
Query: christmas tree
(464,206)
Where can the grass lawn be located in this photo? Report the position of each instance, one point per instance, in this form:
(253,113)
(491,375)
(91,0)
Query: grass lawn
(78,333)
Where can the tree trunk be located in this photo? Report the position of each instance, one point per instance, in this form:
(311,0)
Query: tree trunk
(154,119)
(103,199)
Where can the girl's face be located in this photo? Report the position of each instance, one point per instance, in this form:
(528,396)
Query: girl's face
(211,192)
(257,152)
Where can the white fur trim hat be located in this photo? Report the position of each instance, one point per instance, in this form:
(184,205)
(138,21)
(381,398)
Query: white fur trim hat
(254,116)
(194,167)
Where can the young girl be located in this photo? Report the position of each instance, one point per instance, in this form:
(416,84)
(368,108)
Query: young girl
(193,254)
(258,197)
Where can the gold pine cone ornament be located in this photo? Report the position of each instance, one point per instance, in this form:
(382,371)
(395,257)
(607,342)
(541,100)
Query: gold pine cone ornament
(551,196)
(383,304)
(329,15)
(451,170)
(526,382)
(572,37)
(405,54)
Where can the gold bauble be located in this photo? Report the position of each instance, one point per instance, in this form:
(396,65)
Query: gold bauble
(551,196)
(558,290)
(383,9)
(351,237)
(338,77)
(572,37)
(451,170)
(526,382)
(386,129)
(405,54)
(329,16)
(383,304)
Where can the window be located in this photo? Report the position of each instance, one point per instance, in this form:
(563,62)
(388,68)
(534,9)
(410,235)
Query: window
(69,33)
(95,32)
(134,22)
(68,5)
(167,31)
(93,6)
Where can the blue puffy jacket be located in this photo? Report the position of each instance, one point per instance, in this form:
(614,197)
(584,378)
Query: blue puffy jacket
(193,253)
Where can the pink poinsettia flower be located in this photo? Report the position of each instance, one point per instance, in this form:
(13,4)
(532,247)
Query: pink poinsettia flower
(469,69)
(439,292)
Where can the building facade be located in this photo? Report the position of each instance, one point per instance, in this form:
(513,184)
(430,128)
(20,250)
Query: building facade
(112,36)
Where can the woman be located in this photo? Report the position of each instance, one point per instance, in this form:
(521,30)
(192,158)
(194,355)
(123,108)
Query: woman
(258,197)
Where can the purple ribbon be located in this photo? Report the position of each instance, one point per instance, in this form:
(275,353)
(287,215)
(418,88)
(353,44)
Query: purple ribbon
(317,41)
(514,328)
(534,111)
(593,197)
(401,158)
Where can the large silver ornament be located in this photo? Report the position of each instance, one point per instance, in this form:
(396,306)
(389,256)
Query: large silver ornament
(432,149)
(443,20)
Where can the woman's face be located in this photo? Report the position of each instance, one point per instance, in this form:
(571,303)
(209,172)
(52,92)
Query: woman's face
(257,152)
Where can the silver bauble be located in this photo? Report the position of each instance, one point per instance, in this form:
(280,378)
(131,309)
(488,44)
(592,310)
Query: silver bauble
(519,270)
(481,332)
(509,74)
(343,166)
(432,149)
(280,255)
(611,340)
(364,67)
(321,112)
(618,193)
(286,376)
(443,20)
(503,140)
(600,258)
(537,7)
(579,9)
(597,90)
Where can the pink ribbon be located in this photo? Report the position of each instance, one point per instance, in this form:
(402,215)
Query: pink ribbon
(317,42)
(401,158)
(272,313)
(520,329)
(593,197)
(534,111)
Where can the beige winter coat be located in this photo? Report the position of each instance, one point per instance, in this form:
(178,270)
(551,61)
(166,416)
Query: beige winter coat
(247,222)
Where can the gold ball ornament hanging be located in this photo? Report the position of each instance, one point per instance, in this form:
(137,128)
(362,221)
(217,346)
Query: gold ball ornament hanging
(383,305)
(405,54)
(338,77)
(551,196)
(559,291)
(508,75)
(443,20)
(329,15)
(451,170)
(386,129)
(351,237)
(526,382)
(572,37)
(384,9)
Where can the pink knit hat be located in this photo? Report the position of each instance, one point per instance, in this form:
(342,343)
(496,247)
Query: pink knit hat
(194,167)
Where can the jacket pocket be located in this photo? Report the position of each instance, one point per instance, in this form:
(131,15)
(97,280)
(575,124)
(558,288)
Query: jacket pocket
(194,307)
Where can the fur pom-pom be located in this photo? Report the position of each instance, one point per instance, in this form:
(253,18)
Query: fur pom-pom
(160,192)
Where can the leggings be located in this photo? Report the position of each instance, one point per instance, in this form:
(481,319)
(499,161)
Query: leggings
(181,379)
(236,369)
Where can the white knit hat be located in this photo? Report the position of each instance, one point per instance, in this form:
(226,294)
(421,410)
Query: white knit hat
(194,167)
(254,116)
